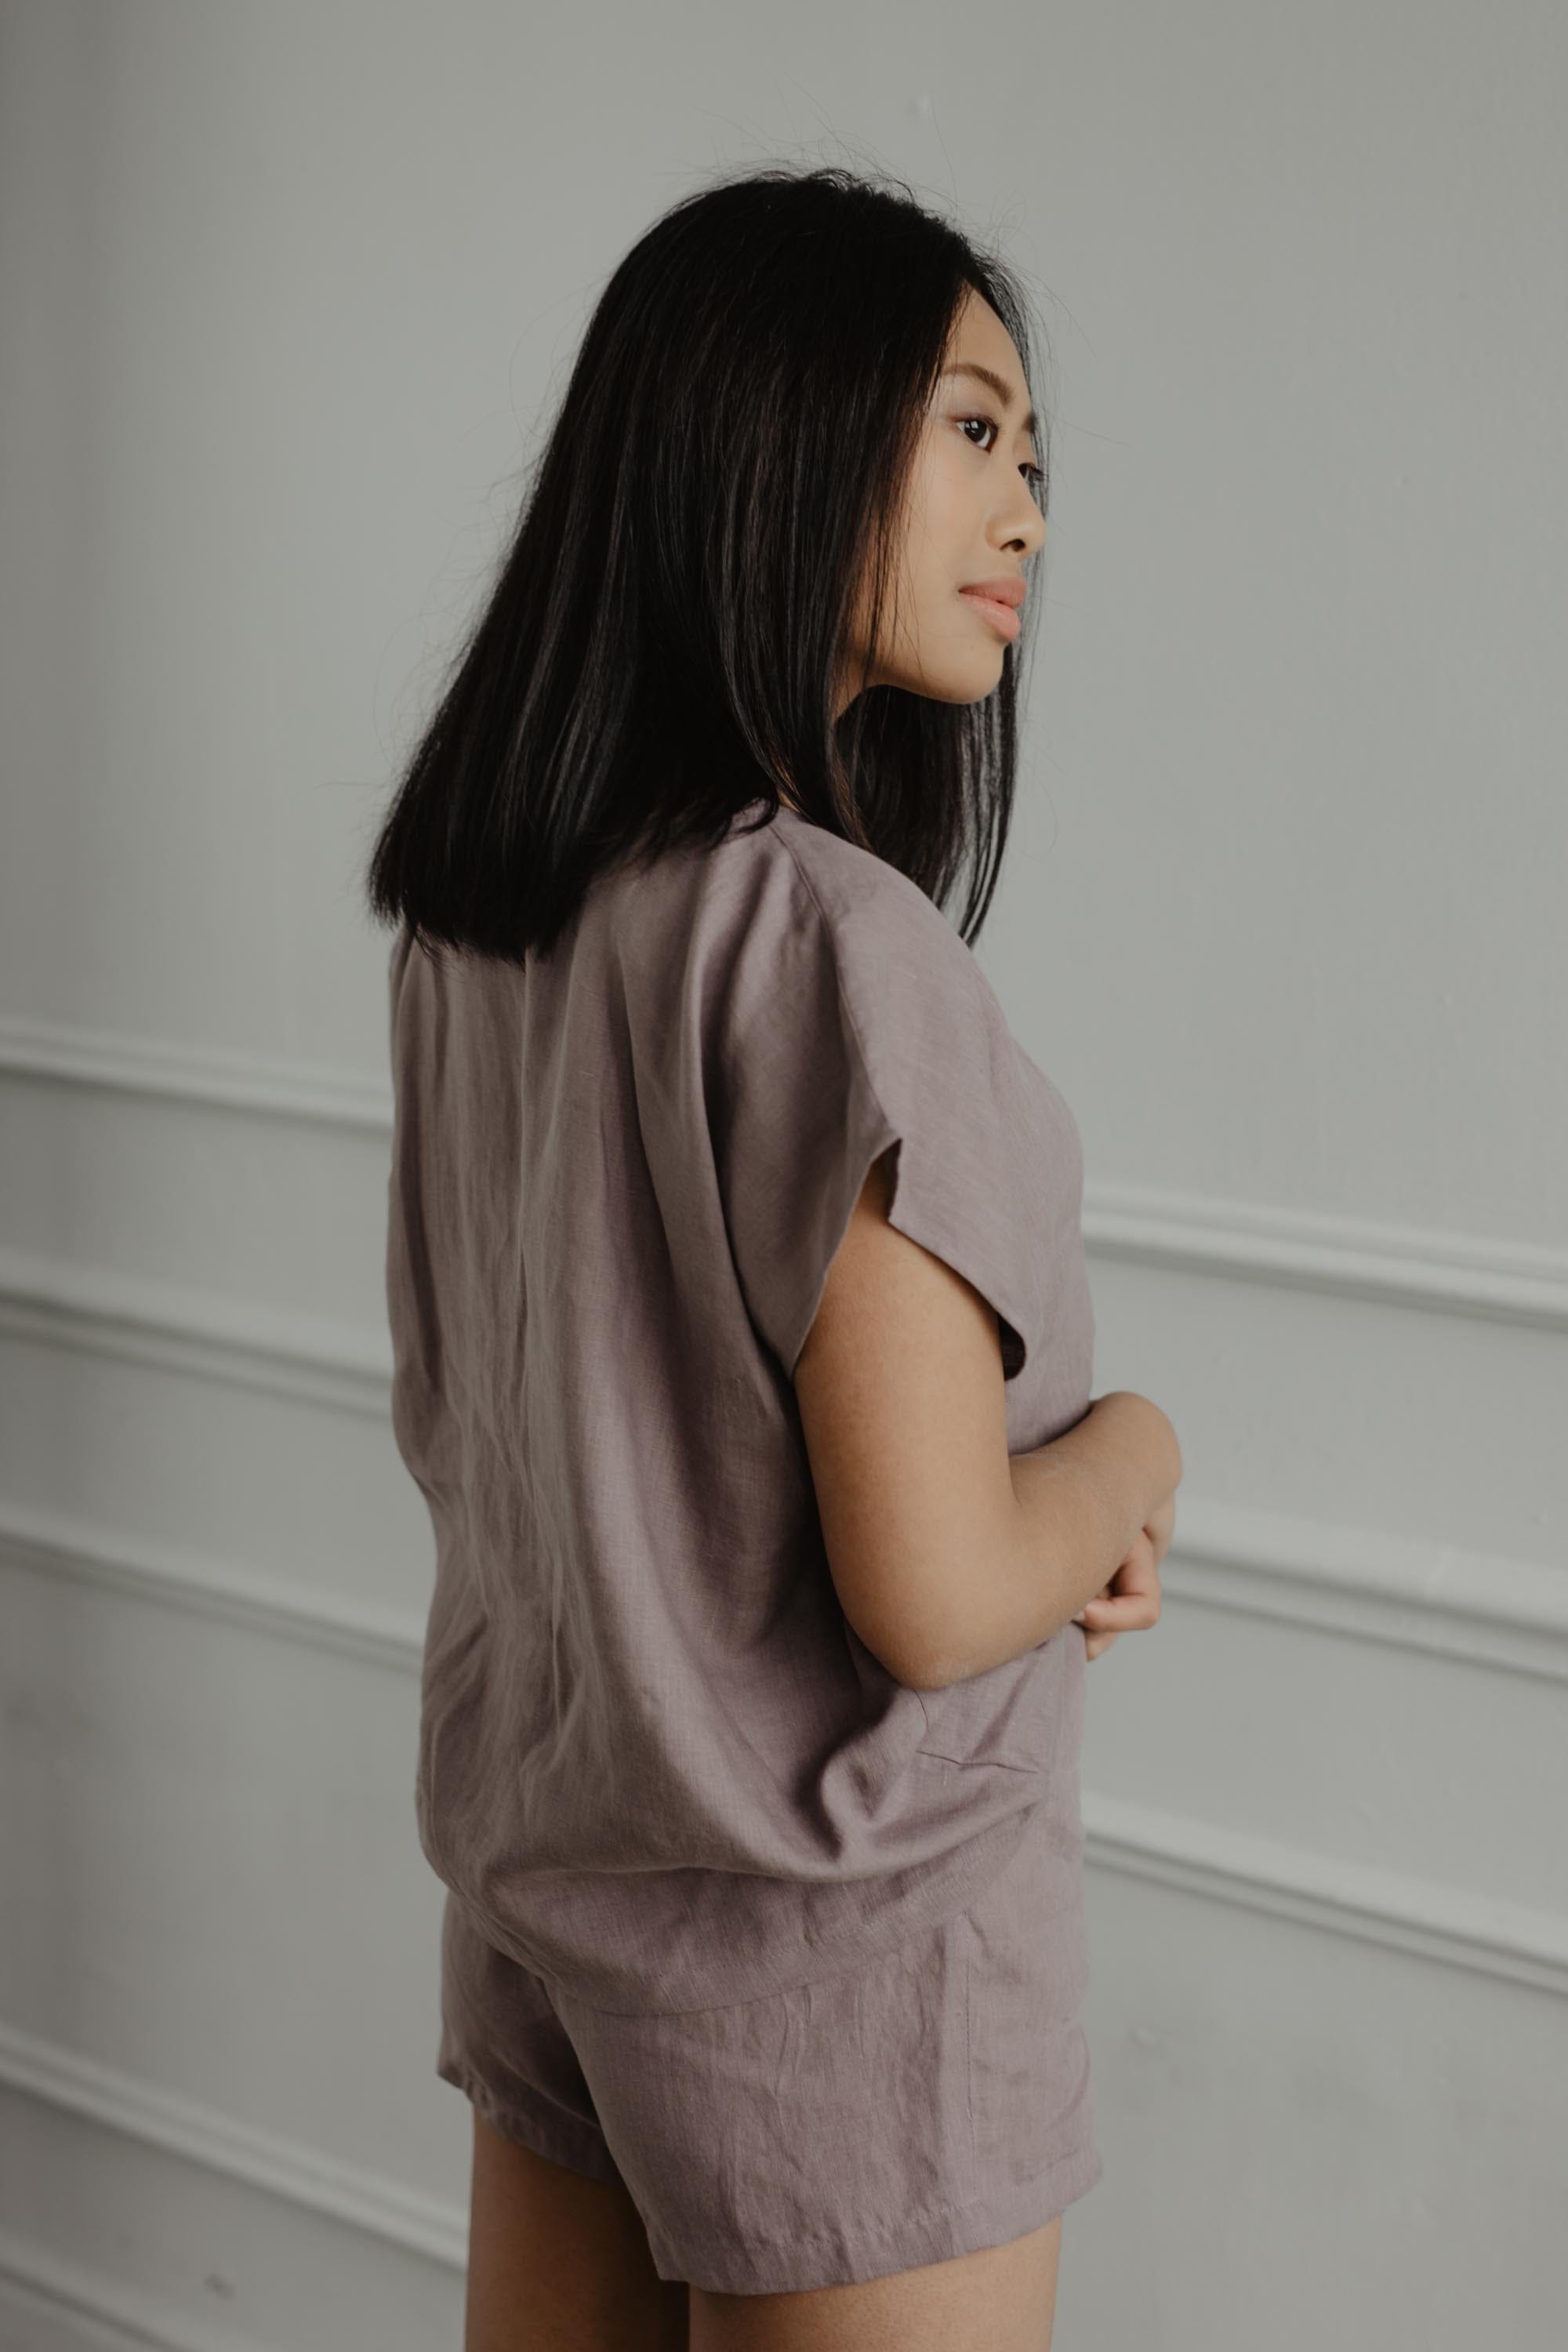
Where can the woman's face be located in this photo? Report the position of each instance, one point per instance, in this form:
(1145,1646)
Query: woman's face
(971,516)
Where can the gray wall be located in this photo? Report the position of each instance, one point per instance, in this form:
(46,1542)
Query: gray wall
(282,291)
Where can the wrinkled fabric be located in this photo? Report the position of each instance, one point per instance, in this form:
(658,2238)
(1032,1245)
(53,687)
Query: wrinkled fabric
(656,1763)
(929,2104)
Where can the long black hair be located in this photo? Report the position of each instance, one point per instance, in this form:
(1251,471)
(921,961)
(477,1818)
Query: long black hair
(664,643)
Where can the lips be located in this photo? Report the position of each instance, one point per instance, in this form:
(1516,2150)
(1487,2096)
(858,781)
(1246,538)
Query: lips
(1003,616)
(1006,588)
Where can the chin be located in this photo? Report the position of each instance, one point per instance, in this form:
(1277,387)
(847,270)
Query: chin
(957,681)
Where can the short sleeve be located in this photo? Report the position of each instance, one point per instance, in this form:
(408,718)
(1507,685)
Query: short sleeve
(855,1019)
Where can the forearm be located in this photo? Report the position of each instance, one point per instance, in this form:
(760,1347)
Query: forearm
(1079,1503)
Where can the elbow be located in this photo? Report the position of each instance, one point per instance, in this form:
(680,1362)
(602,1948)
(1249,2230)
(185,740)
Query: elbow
(928,1657)
(912,1655)
(993,1612)
(931,1604)
(937,1673)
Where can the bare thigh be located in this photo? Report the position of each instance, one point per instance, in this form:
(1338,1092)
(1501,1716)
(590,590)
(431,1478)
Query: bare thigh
(999,2299)
(558,2262)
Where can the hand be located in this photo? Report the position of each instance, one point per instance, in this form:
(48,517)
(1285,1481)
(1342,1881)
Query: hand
(1130,1601)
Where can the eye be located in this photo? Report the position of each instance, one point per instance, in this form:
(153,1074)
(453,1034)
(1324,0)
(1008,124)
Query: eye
(1034,475)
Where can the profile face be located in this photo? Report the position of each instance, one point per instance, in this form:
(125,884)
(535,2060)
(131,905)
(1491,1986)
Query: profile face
(971,516)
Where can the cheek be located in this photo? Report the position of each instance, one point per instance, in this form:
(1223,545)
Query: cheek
(948,514)
(943,541)
(949,545)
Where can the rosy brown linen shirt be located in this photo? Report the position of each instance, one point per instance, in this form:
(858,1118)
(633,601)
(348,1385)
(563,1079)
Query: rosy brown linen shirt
(654,1760)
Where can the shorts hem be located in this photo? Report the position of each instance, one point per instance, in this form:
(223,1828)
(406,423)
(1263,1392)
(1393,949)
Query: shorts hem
(515,2123)
(845,2257)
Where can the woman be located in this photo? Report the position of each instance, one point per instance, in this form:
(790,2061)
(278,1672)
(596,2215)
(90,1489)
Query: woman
(741,1331)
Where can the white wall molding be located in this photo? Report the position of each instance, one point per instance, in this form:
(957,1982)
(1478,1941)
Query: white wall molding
(1401,1265)
(1351,1258)
(1455,1926)
(308,1359)
(1458,1927)
(166,1069)
(62,2302)
(1413,1593)
(1475,1607)
(288,1610)
(216,2143)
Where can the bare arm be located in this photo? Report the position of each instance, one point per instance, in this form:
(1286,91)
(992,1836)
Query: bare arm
(1082,1501)
(947,1554)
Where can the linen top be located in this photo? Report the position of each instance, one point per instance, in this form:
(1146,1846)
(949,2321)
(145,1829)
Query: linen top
(654,1759)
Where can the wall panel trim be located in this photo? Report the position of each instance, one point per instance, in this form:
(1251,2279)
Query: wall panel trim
(1473,1608)
(1397,1264)
(145,2111)
(1456,1926)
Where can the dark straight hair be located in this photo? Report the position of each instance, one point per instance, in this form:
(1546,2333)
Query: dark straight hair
(663,646)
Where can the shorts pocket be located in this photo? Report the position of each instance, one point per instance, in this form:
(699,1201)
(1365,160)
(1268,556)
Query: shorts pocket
(1025,1972)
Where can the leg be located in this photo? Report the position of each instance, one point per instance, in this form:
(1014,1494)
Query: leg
(558,2262)
(1000,2299)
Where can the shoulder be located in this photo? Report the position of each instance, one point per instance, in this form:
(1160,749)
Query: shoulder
(899,961)
(844,963)
(878,928)
(785,932)
(855,890)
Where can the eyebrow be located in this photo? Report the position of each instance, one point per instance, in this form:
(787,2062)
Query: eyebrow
(998,384)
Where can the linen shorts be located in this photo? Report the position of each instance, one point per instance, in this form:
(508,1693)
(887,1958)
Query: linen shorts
(926,2104)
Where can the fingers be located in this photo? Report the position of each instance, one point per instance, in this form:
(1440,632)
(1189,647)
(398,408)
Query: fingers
(1130,1601)
(1122,1612)
(1125,1612)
